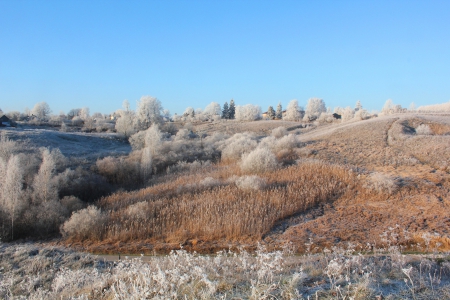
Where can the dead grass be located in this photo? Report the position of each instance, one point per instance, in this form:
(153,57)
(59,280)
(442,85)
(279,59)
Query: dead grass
(318,200)
(179,210)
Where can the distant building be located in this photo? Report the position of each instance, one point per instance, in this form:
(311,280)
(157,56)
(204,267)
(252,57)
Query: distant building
(5,121)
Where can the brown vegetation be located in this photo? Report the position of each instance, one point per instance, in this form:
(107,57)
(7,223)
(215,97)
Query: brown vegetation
(366,183)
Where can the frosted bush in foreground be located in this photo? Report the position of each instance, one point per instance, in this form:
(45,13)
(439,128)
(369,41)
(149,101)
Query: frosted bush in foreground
(238,145)
(259,160)
(252,182)
(381,183)
(423,129)
(82,223)
(279,132)
(29,272)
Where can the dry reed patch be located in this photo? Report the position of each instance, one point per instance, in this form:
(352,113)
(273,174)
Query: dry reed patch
(224,212)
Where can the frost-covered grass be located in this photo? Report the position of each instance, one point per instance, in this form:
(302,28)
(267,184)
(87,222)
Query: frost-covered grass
(72,144)
(29,271)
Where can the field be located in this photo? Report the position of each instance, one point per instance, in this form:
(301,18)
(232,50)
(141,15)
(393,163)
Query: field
(263,190)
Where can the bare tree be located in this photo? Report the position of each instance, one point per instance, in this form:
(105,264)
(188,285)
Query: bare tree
(44,187)
(11,195)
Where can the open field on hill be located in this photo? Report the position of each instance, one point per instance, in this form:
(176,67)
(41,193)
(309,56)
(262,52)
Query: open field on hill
(334,184)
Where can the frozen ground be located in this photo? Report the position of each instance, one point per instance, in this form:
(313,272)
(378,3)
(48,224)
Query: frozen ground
(78,145)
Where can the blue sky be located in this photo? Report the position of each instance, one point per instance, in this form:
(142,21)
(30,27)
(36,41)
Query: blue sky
(73,54)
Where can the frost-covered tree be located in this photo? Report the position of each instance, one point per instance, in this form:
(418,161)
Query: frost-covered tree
(248,112)
(279,113)
(347,114)
(388,107)
(189,112)
(358,105)
(153,139)
(84,113)
(126,105)
(225,111)
(271,113)
(314,108)
(44,186)
(292,111)
(41,110)
(125,124)
(412,106)
(11,190)
(75,112)
(232,110)
(212,110)
(148,112)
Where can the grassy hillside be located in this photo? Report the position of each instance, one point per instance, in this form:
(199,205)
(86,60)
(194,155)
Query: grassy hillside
(367,183)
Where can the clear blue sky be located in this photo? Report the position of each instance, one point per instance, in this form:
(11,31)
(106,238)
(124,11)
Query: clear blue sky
(73,54)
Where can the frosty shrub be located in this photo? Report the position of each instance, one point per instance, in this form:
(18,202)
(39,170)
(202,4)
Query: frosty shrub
(259,160)
(210,182)
(138,210)
(381,183)
(252,182)
(72,203)
(137,140)
(77,121)
(325,118)
(347,114)
(423,129)
(286,143)
(362,114)
(248,112)
(7,147)
(279,132)
(237,145)
(83,224)
(183,134)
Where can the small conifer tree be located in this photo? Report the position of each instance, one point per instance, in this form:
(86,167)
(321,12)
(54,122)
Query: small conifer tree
(271,113)
(279,113)
(225,111)
(231,110)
